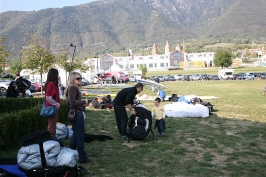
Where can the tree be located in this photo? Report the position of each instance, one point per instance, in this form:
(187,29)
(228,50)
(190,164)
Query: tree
(65,63)
(143,68)
(15,67)
(4,53)
(223,58)
(36,56)
(84,67)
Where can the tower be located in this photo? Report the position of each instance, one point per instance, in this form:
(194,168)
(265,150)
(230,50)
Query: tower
(154,49)
(167,48)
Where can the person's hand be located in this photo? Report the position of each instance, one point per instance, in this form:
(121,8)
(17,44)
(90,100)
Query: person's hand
(87,102)
(57,105)
(133,112)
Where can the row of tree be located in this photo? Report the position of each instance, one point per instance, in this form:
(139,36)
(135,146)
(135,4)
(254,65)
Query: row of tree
(37,57)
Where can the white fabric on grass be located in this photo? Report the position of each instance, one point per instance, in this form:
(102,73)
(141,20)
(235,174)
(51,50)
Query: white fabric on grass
(182,109)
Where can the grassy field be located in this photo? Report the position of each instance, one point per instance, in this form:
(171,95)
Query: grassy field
(230,142)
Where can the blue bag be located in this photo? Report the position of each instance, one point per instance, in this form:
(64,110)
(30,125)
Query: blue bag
(48,112)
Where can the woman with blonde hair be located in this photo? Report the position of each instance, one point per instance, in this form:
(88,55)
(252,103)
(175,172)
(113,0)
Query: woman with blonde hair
(74,100)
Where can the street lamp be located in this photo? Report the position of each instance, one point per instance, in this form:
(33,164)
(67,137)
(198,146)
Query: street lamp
(71,45)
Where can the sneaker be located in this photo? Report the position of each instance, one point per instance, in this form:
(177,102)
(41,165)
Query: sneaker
(85,161)
(162,134)
(124,138)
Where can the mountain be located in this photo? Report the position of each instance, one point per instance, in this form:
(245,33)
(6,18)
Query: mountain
(118,25)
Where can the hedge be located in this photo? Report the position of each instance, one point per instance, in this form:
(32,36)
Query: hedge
(20,117)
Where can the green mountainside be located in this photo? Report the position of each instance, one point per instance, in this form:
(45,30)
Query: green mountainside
(115,26)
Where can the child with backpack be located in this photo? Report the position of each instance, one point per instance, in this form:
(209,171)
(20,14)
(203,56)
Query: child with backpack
(159,113)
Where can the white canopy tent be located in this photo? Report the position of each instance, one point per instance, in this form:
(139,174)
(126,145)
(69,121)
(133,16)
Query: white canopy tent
(115,67)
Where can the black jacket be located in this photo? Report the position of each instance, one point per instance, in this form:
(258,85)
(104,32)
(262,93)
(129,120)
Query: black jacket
(125,96)
(11,91)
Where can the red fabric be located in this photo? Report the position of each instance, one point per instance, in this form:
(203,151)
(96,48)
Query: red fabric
(52,90)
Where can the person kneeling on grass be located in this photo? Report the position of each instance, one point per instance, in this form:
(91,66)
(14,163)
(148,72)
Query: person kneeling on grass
(159,113)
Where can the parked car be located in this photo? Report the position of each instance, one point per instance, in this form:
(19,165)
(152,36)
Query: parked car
(38,81)
(132,79)
(38,86)
(186,77)
(204,77)
(179,77)
(152,78)
(171,78)
(161,78)
(195,77)
(249,76)
(3,86)
(166,78)
(33,88)
(84,82)
(263,75)
(7,76)
(214,77)
(240,76)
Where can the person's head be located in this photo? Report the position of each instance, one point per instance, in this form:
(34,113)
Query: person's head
(75,79)
(17,75)
(139,87)
(157,101)
(52,76)
(12,84)
(109,97)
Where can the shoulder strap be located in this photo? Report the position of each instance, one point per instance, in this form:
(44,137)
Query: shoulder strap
(44,165)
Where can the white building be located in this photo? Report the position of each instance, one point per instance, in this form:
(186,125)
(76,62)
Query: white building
(154,62)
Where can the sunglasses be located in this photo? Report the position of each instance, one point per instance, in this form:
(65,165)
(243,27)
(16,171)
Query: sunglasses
(78,78)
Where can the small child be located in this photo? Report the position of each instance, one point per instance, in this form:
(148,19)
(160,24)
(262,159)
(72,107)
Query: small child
(158,112)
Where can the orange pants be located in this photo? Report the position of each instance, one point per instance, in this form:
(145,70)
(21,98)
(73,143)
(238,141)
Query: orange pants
(51,127)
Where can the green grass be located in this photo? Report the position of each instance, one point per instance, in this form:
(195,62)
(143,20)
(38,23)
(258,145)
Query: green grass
(230,142)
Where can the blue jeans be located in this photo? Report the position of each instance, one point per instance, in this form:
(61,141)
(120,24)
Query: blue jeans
(77,140)
(161,126)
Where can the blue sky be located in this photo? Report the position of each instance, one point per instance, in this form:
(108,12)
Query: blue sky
(29,5)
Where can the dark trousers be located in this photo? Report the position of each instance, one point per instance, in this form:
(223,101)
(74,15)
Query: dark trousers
(121,118)
(160,124)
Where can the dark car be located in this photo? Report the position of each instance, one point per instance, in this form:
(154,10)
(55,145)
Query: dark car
(186,77)
(84,82)
(7,76)
(171,78)
(263,75)
(214,77)
(204,77)
(33,88)
(241,76)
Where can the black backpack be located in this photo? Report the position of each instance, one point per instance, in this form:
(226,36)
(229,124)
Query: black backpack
(39,137)
(139,125)
(23,83)
(208,105)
